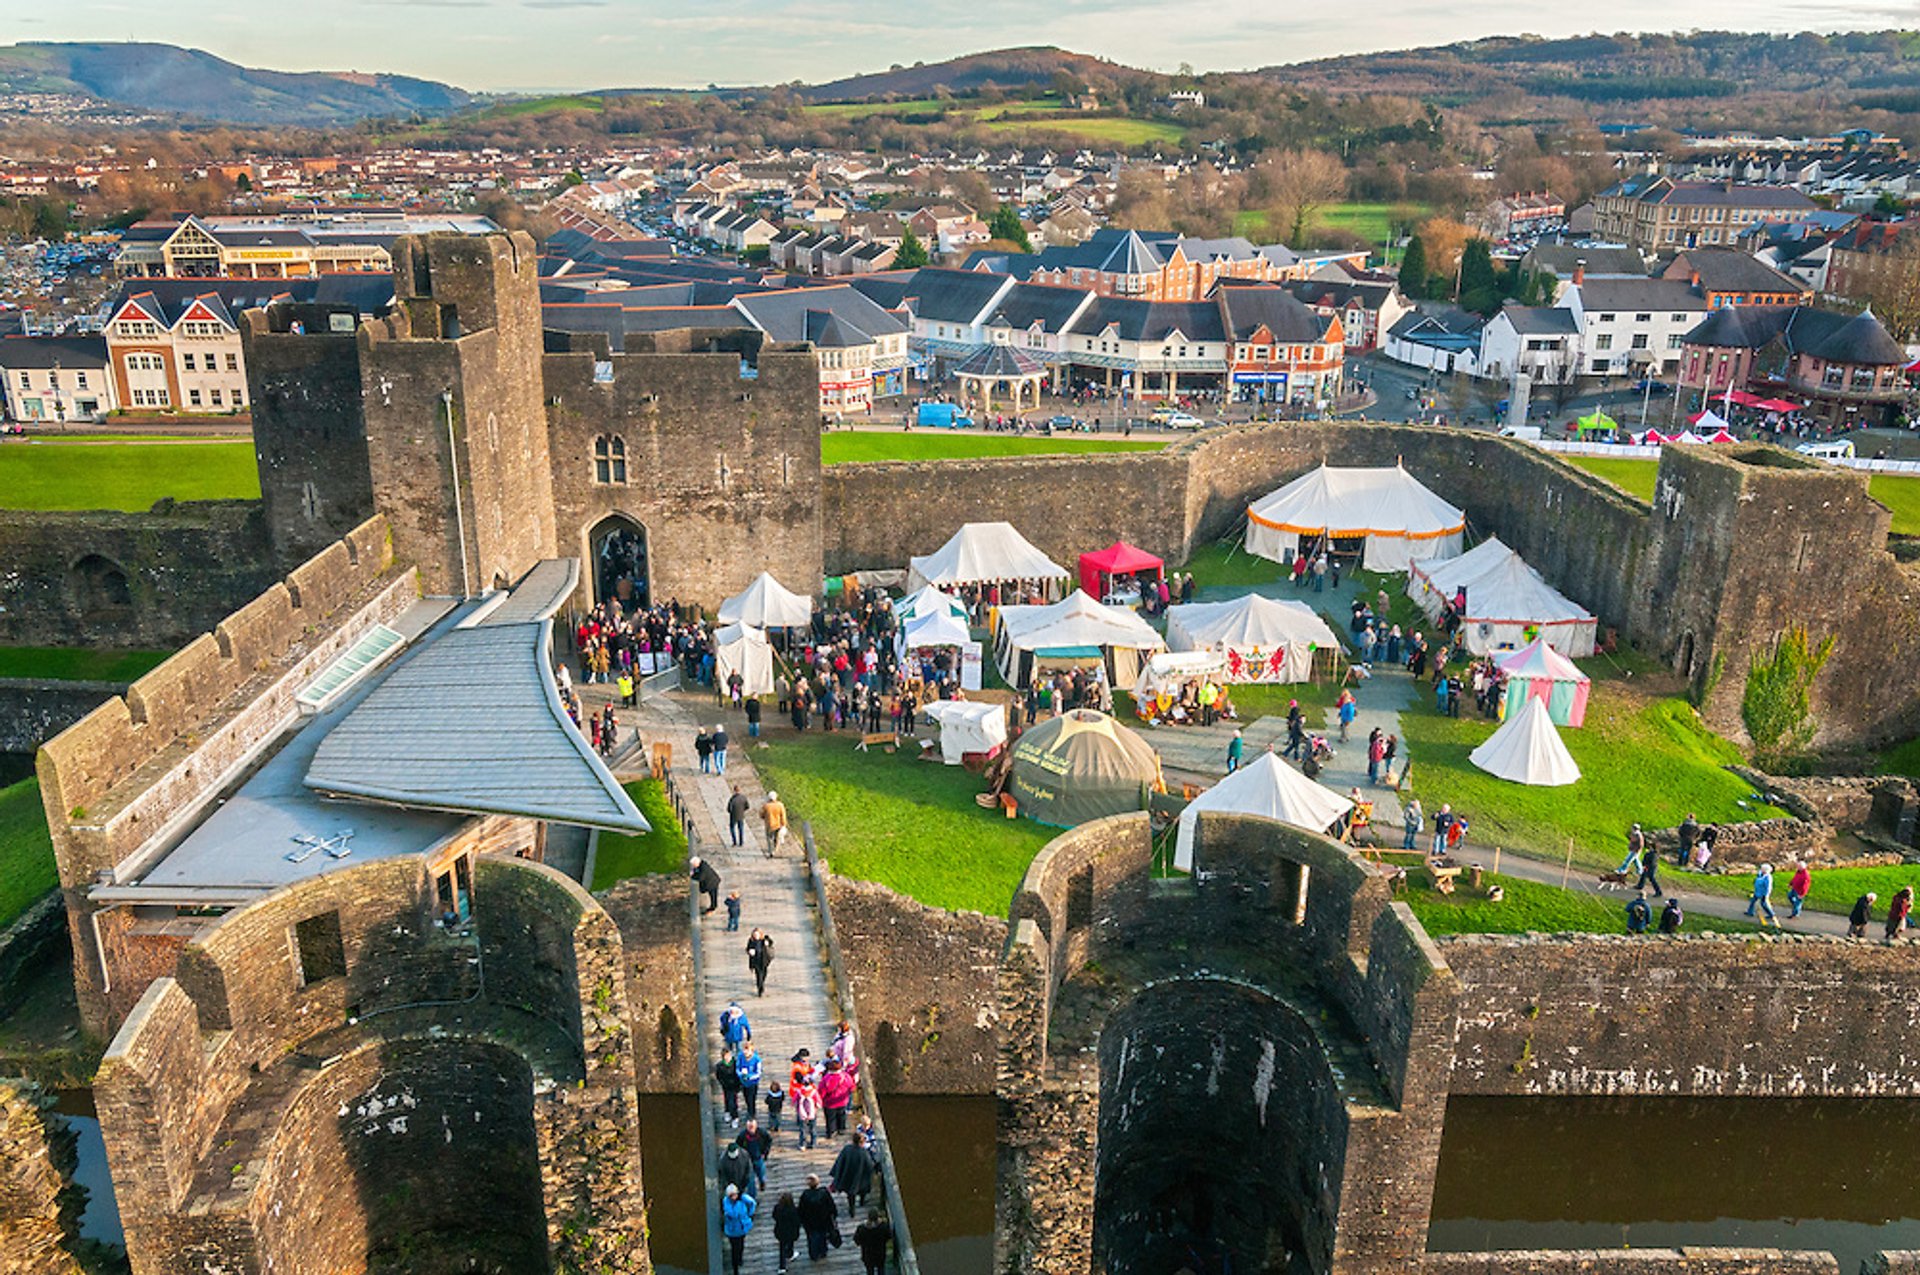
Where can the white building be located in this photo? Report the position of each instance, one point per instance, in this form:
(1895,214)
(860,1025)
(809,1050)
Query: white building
(57,378)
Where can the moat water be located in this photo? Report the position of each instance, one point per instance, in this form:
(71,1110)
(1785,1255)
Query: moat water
(101,1218)
(1804,1173)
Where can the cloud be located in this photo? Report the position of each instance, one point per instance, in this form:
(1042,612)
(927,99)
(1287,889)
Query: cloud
(564,4)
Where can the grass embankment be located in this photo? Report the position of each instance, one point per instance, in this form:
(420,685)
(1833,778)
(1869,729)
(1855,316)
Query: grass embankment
(26,849)
(1898,492)
(907,824)
(1834,889)
(124,476)
(1532,907)
(1642,760)
(1376,223)
(662,851)
(77,664)
(866,447)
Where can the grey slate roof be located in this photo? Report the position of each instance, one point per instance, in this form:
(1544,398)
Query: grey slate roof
(1001,361)
(1284,315)
(1725,270)
(472,722)
(1561,259)
(19,353)
(1609,295)
(786,314)
(1858,339)
(952,296)
(1539,320)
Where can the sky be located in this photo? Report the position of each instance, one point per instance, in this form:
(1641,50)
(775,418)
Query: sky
(505,45)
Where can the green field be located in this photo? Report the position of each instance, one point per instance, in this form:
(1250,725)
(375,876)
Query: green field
(26,850)
(1898,492)
(77,663)
(1095,128)
(1531,907)
(124,476)
(1376,223)
(861,110)
(908,824)
(857,447)
(1641,761)
(1635,477)
(547,105)
(1228,565)
(661,852)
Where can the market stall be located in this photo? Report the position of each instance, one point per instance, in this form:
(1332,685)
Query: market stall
(1268,787)
(986,553)
(1537,671)
(1258,639)
(1385,516)
(1508,603)
(743,649)
(969,732)
(1110,574)
(1527,750)
(768,604)
(1076,631)
(1079,766)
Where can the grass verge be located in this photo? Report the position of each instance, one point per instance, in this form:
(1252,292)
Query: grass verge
(660,852)
(26,849)
(1227,564)
(1633,476)
(858,447)
(1834,889)
(1532,907)
(1898,492)
(77,663)
(124,476)
(1641,760)
(910,825)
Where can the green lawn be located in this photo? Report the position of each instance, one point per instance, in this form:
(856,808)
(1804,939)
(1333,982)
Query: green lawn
(1645,761)
(1633,476)
(1901,759)
(26,849)
(908,824)
(1834,889)
(125,476)
(1109,129)
(1901,494)
(860,110)
(77,663)
(1531,907)
(1376,223)
(661,852)
(1227,564)
(1898,492)
(858,447)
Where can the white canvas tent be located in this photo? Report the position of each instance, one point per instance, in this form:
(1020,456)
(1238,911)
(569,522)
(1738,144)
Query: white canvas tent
(943,628)
(767,604)
(743,648)
(1399,519)
(1170,668)
(967,727)
(1264,786)
(1260,639)
(1074,627)
(1527,750)
(1508,602)
(984,551)
(927,599)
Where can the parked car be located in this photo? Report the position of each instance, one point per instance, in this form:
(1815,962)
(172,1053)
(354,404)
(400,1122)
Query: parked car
(1183,420)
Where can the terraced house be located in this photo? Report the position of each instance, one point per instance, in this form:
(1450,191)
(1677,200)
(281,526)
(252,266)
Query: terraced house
(1660,215)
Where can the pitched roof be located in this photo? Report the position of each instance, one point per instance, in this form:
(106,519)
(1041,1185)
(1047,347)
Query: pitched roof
(953,296)
(1539,320)
(1727,270)
(788,315)
(999,361)
(19,353)
(1859,339)
(1640,294)
(1246,310)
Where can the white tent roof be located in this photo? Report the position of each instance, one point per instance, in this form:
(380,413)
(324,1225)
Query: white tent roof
(927,599)
(1536,660)
(983,551)
(967,727)
(1264,786)
(1501,587)
(935,628)
(1077,620)
(767,603)
(1244,622)
(1358,502)
(743,649)
(1710,422)
(1527,750)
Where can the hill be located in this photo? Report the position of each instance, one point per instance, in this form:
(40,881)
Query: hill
(166,78)
(1614,74)
(1000,68)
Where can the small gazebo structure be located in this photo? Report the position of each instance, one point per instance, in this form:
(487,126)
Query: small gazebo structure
(993,365)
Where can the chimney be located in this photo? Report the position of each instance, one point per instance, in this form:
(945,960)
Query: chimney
(1579,272)
(1693,280)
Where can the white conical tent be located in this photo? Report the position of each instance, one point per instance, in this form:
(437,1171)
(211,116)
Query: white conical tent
(935,628)
(743,649)
(1260,639)
(984,551)
(1508,602)
(1264,786)
(1075,624)
(1399,518)
(1527,750)
(767,604)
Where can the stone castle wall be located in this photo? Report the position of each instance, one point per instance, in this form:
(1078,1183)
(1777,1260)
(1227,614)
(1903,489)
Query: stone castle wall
(126,580)
(657,936)
(32,711)
(38,1205)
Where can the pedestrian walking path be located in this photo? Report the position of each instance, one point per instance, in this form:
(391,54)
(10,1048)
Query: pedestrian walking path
(799,1009)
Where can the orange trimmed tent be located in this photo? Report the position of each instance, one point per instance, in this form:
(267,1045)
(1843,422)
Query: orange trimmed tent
(1396,517)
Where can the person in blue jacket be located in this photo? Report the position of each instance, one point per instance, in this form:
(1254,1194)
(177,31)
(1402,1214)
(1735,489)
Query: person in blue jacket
(736,1220)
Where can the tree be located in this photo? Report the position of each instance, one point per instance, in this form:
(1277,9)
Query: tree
(1479,285)
(1889,282)
(1005,224)
(912,254)
(1413,269)
(1777,707)
(1445,239)
(1299,184)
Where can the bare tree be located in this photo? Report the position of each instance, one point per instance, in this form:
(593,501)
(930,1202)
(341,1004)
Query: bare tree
(1300,184)
(1889,281)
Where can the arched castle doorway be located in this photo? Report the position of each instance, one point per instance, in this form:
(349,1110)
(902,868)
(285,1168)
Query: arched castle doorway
(617,552)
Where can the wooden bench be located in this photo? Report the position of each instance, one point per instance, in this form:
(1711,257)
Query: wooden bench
(885,738)
(662,759)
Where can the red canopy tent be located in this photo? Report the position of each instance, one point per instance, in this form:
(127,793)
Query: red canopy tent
(1117,559)
(1777,405)
(1742,398)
